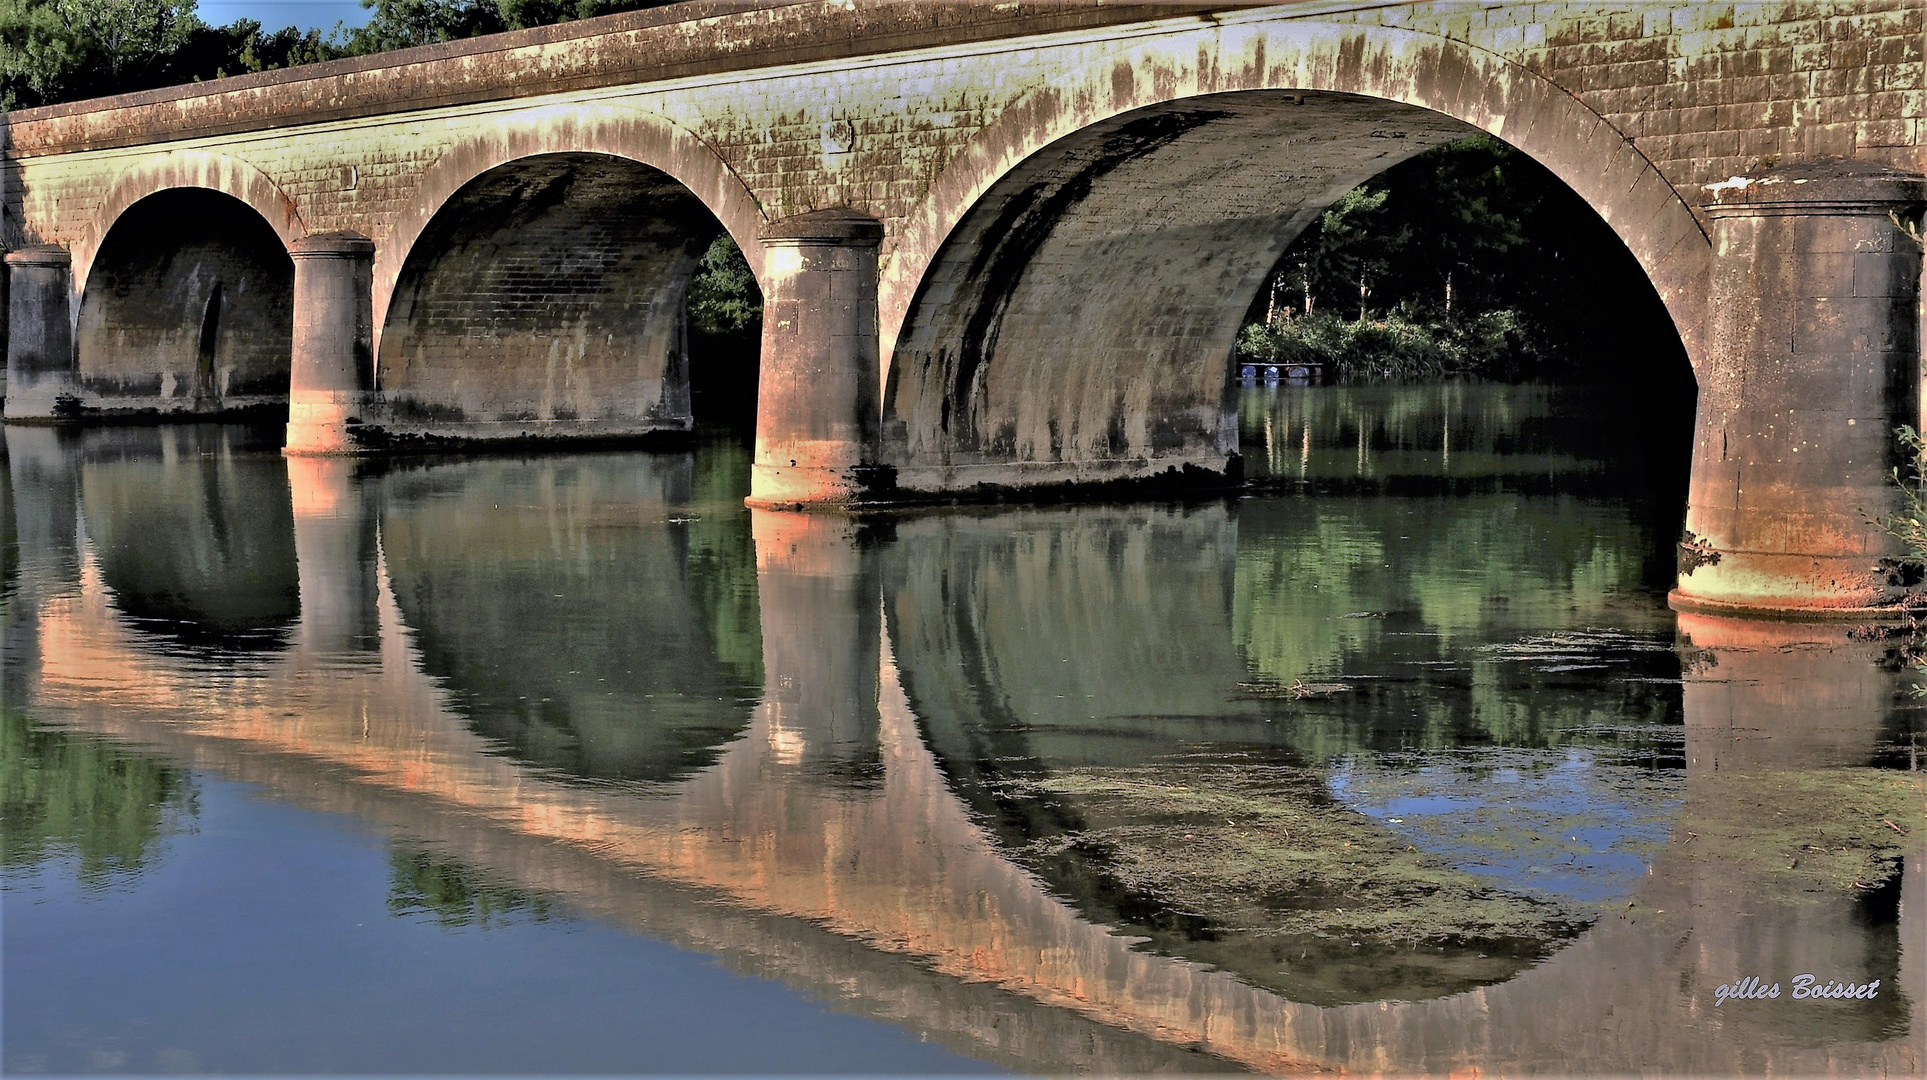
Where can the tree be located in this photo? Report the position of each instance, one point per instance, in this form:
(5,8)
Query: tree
(62,50)
(55,50)
(1479,242)
(723,298)
(398,24)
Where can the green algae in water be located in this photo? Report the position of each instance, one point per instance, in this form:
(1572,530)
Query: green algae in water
(1802,834)
(1256,870)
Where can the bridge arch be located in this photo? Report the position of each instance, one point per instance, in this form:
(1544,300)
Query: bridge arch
(1266,125)
(546,298)
(612,131)
(178,169)
(187,305)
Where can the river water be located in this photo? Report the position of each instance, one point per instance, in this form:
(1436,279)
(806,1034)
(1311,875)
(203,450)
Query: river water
(1394,761)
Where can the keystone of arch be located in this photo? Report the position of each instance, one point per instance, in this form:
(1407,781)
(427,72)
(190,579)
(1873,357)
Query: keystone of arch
(1525,110)
(178,169)
(632,134)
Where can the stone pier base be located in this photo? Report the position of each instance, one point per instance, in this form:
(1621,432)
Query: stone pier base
(1814,360)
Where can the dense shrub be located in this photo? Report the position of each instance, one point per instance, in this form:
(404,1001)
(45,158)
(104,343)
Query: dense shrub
(1395,347)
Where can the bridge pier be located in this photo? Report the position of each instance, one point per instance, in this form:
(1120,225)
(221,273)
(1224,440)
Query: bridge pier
(817,412)
(41,380)
(1813,360)
(334,323)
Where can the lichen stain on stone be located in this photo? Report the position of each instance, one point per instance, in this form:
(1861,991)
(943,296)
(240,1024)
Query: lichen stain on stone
(1695,552)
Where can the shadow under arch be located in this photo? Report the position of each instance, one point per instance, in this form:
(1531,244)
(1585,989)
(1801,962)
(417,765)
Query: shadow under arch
(187,306)
(1077,323)
(636,136)
(186,169)
(546,297)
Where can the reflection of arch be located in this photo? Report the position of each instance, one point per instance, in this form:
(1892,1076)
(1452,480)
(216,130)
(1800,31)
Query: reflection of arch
(933,896)
(616,132)
(476,610)
(194,541)
(186,169)
(1446,77)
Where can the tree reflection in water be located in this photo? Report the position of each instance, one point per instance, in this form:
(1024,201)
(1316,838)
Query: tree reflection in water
(1068,787)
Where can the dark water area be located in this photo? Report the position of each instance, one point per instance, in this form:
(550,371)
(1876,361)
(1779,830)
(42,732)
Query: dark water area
(1396,761)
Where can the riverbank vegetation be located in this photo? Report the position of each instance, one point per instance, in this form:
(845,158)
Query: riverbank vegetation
(1469,260)
(1908,525)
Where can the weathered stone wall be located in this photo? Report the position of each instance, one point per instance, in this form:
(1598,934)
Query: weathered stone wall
(188,308)
(1707,89)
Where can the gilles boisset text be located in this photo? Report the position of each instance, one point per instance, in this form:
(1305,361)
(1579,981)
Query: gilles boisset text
(1752,988)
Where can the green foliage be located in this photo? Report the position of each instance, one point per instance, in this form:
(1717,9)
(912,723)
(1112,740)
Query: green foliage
(1392,347)
(63,50)
(60,50)
(1462,214)
(449,892)
(398,24)
(66,795)
(1909,526)
(1506,273)
(52,50)
(723,298)
(522,13)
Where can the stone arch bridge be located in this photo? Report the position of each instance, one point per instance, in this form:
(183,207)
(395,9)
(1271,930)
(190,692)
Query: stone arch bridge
(1000,245)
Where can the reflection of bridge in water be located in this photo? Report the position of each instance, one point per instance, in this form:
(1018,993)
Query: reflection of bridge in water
(884,892)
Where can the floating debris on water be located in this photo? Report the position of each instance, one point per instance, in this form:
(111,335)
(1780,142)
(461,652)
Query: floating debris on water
(1296,690)
(1576,650)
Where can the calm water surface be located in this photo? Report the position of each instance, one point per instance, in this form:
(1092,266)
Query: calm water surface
(1397,761)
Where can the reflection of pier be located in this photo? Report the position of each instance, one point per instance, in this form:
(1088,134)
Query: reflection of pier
(844,863)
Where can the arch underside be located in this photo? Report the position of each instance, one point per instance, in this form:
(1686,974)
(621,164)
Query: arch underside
(545,299)
(188,308)
(1078,323)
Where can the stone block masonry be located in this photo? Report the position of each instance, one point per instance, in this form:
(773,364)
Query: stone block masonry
(1132,165)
